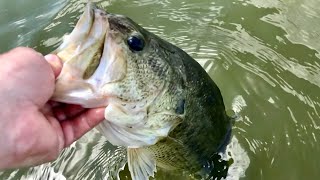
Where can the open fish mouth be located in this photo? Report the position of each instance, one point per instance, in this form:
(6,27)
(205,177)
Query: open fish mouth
(89,54)
(108,62)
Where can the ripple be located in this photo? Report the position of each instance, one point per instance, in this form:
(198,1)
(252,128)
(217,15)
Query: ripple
(21,28)
(240,158)
(264,56)
(238,104)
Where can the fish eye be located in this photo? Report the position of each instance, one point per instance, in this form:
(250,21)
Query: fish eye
(135,43)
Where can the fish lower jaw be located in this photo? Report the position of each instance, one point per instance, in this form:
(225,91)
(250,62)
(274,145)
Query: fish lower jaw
(127,137)
(87,101)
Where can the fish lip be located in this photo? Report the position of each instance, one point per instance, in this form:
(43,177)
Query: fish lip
(84,40)
(91,6)
(81,30)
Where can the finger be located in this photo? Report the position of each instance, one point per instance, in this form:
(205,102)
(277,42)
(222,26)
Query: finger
(55,62)
(60,138)
(66,111)
(74,128)
(54,103)
(71,110)
(59,114)
(46,109)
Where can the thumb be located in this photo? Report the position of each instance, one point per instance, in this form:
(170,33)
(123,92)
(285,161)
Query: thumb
(55,63)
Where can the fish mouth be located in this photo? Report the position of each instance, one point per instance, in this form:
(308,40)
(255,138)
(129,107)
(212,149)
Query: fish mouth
(86,53)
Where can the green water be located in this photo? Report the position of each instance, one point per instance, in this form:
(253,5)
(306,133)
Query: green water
(263,55)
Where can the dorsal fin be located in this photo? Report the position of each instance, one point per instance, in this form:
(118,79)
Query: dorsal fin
(141,163)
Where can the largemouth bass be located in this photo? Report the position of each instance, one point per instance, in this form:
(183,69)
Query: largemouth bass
(160,103)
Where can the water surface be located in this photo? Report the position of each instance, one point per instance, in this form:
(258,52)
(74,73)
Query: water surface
(263,55)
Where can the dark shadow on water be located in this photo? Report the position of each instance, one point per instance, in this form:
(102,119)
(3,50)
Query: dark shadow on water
(218,171)
(220,168)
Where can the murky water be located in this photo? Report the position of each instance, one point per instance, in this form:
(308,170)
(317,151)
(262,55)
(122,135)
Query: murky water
(264,56)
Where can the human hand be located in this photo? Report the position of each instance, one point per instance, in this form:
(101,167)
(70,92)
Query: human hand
(33,130)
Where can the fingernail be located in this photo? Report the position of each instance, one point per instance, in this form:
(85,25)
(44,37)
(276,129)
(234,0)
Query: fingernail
(53,60)
(55,63)
(100,111)
(51,57)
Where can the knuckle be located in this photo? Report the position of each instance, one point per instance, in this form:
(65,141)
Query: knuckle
(53,150)
(28,54)
(26,51)
(53,155)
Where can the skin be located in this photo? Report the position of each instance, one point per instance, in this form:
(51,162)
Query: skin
(34,130)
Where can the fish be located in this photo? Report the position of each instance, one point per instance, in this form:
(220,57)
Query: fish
(160,104)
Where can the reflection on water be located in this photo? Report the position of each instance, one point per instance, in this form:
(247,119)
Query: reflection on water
(264,56)
(21,21)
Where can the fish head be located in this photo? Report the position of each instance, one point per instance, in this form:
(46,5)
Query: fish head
(110,61)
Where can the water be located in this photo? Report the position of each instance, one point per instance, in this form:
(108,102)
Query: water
(263,55)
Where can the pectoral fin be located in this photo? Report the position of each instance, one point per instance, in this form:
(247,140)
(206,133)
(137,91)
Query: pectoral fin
(141,163)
